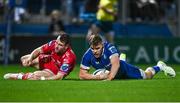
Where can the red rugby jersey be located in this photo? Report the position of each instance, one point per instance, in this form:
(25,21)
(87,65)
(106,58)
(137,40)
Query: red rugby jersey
(64,62)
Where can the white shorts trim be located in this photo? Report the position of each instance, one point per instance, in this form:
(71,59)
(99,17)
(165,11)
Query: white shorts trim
(143,75)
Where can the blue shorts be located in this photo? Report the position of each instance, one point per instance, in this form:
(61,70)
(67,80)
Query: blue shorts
(128,71)
(105,26)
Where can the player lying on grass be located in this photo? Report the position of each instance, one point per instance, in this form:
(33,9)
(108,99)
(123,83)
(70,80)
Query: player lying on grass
(55,60)
(103,55)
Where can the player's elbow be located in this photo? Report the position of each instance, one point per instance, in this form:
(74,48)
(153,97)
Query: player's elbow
(81,76)
(59,76)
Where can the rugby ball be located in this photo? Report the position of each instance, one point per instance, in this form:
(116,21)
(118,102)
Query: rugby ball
(100,71)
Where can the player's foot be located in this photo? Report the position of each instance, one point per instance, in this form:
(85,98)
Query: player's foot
(122,57)
(13,76)
(166,69)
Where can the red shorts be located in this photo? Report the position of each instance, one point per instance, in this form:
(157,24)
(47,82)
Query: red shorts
(45,62)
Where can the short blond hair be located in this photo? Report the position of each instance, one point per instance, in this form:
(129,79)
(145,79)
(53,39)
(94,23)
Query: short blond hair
(96,40)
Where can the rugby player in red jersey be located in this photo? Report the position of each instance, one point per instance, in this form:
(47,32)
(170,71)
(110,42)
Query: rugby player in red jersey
(55,60)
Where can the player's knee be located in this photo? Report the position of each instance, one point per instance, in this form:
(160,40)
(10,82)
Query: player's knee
(27,76)
(23,62)
(35,76)
(37,73)
(41,73)
(148,75)
(22,59)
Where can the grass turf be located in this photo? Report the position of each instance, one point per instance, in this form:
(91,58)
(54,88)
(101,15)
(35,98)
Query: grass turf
(159,89)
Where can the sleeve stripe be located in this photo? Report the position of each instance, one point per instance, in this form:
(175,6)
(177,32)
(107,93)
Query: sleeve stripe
(84,67)
(116,54)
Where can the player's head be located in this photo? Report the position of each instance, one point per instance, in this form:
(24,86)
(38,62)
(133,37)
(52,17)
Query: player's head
(96,45)
(55,15)
(62,43)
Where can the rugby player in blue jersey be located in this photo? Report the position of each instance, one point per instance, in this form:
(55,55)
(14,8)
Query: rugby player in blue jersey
(103,55)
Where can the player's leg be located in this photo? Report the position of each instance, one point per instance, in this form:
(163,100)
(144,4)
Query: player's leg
(15,76)
(48,67)
(24,57)
(161,66)
(128,71)
(20,76)
(133,72)
(38,74)
(23,60)
(107,28)
(29,76)
(110,36)
(168,71)
(35,62)
(40,61)
(151,71)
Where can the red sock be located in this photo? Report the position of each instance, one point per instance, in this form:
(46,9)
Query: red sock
(26,76)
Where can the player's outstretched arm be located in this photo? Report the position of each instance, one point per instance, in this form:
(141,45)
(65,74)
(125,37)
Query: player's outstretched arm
(84,75)
(35,53)
(114,68)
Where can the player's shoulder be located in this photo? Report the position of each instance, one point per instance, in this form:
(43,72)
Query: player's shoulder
(110,47)
(49,46)
(88,53)
(70,53)
(69,58)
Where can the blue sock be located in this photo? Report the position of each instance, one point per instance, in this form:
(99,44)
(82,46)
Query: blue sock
(156,69)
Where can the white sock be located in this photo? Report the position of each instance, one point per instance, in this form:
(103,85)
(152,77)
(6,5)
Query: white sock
(19,76)
(160,67)
(151,69)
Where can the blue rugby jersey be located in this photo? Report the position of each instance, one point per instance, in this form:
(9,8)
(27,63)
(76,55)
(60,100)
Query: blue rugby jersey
(126,71)
(99,63)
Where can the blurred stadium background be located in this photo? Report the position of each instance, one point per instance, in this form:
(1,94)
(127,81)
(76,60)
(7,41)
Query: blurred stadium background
(146,30)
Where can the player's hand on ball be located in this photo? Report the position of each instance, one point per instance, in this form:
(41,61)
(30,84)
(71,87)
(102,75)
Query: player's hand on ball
(103,75)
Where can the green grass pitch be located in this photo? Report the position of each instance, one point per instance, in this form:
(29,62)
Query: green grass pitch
(159,89)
